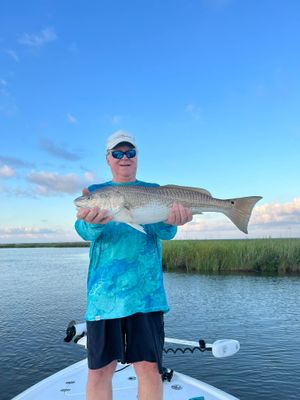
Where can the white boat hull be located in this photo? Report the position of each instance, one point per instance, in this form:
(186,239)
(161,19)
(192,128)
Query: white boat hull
(71,382)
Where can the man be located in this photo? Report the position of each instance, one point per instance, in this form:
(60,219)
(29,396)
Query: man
(126,296)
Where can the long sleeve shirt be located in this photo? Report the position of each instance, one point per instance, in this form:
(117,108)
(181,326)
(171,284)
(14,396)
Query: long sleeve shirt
(125,271)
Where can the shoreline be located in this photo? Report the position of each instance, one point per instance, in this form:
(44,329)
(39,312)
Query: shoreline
(220,256)
(46,244)
(87,244)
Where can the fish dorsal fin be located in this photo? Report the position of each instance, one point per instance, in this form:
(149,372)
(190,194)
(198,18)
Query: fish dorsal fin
(199,190)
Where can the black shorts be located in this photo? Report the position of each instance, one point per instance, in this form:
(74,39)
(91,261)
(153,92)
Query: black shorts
(138,337)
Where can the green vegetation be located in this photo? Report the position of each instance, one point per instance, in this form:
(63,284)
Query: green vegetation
(264,256)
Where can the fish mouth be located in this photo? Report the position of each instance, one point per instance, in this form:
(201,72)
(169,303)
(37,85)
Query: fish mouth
(78,203)
(79,207)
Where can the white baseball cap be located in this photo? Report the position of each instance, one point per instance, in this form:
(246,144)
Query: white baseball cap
(119,137)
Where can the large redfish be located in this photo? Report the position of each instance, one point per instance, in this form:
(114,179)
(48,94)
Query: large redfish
(136,205)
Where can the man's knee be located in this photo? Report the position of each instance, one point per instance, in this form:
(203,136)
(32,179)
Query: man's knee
(102,374)
(146,369)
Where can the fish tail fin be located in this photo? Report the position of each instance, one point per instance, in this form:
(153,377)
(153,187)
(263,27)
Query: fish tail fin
(241,212)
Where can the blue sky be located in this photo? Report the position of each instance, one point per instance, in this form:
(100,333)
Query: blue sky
(209,88)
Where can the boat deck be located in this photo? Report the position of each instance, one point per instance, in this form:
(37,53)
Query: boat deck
(71,382)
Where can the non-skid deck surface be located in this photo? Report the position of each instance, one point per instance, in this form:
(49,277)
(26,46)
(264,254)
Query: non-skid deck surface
(71,382)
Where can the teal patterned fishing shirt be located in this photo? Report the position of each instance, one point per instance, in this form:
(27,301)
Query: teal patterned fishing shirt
(125,271)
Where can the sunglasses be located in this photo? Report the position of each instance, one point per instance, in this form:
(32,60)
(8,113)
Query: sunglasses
(120,154)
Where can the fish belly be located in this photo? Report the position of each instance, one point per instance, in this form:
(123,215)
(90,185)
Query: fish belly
(149,214)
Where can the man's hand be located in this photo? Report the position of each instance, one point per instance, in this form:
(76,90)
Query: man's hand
(93,216)
(179,215)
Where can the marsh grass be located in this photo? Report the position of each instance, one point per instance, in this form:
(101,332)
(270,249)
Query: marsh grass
(265,256)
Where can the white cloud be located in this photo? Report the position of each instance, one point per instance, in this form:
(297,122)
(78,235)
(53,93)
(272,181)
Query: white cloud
(278,213)
(8,109)
(12,54)
(51,183)
(71,119)
(15,162)
(7,172)
(73,48)
(4,88)
(19,192)
(31,234)
(89,176)
(47,35)
(116,119)
(194,111)
(58,150)
(8,106)
(28,231)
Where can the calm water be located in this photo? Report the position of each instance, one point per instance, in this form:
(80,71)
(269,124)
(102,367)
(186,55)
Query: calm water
(42,289)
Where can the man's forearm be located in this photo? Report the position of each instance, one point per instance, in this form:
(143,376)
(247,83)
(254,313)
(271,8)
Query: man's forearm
(88,231)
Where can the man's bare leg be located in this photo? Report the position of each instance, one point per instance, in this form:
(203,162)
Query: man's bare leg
(99,385)
(150,386)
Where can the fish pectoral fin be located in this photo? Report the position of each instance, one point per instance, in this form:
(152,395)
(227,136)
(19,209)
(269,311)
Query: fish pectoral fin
(137,227)
(124,214)
(199,190)
(121,211)
(116,212)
